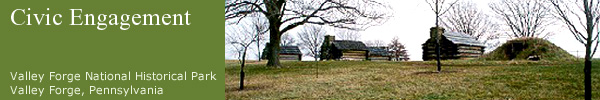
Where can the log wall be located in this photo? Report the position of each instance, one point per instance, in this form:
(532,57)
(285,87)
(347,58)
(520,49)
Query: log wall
(451,51)
(289,57)
(354,55)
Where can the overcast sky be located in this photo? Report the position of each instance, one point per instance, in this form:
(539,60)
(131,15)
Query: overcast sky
(412,20)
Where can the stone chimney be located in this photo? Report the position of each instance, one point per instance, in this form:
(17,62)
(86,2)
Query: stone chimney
(329,39)
(325,48)
(433,33)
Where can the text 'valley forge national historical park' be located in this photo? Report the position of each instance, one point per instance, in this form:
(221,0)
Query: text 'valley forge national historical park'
(99,89)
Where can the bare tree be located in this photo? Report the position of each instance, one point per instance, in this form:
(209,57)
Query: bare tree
(398,50)
(284,15)
(287,40)
(465,17)
(375,43)
(524,18)
(439,8)
(311,38)
(260,27)
(580,17)
(241,41)
(345,34)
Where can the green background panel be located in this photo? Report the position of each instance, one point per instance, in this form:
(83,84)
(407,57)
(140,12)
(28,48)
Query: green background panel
(78,49)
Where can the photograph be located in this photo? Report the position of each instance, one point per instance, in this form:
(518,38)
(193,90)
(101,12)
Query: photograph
(412,49)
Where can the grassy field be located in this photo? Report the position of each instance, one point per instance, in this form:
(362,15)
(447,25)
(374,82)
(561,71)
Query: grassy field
(412,80)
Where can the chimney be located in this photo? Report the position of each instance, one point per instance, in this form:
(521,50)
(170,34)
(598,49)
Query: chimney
(433,33)
(329,39)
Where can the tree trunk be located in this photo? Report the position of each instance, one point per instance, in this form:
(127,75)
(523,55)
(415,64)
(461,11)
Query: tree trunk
(258,47)
(437,53)
(242,79)
(317,69)
(274,16)
(275,40)
(437,39)
(242,68)
(438,47)
(588,79)
(587,70)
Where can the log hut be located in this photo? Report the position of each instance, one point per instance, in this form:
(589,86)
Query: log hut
(379,53)
(343,49)
(453,45)
(286,53)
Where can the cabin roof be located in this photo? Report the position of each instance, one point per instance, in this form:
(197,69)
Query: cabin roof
(461,38)
(378,51)
(349,45)
(290,50)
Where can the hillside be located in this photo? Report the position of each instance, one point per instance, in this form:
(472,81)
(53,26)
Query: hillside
(524,48)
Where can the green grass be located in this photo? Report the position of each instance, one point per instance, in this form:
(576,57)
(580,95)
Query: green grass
(412,80)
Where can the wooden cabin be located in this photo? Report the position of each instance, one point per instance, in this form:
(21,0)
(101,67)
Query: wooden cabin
(454,45)
(290,53)
(286,53)
(343,49)
(379,53)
